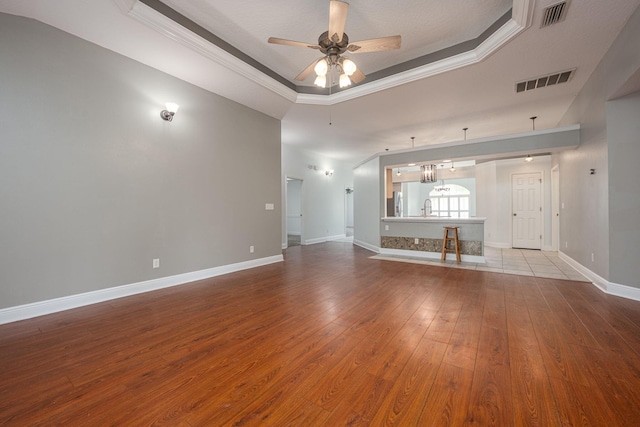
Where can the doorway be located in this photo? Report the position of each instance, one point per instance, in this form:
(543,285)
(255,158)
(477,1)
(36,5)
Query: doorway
(348,211)
(527,210)
(294,212)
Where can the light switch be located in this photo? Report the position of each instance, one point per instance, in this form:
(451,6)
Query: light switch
(268,206)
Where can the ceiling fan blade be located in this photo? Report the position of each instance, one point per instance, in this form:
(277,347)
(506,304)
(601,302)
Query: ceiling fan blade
(305,73)
(357,76)
(374,45)
(275,40)
(337,19)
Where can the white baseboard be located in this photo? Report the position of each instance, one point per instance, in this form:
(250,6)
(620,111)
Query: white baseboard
(431,255)
(499,245)
(366,245)
(27,311)
(601,283)
(324,239)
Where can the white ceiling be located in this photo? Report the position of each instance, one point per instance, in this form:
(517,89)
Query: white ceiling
(375,115)
(424,25)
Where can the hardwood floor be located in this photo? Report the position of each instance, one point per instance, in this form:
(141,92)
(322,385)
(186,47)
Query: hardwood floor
(329,338)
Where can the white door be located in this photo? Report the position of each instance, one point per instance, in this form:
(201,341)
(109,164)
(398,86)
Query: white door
(527,210)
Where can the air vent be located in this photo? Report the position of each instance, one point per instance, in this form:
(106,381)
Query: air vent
(544,81)
(554,13)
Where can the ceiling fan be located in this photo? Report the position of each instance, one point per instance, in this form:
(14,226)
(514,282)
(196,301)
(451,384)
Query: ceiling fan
(333,44)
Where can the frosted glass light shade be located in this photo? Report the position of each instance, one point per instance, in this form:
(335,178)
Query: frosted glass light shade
(348,66)
(344,80)
(172,107)
(321,81)
(321,68)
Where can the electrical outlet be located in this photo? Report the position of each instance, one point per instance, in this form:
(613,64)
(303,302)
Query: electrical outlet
(251,249)
(386,227)
(156,263)
(592,257)
(268,206)
(416,241)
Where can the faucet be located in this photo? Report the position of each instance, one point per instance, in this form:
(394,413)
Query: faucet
(424,209)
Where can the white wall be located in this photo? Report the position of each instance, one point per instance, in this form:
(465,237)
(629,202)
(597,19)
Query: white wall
(323,196)
(294,207)
(504,211)
(486,202)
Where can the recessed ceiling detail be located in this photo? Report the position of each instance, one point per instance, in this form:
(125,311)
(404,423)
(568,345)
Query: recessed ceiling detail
(554,13)
(544,81)
(156,15)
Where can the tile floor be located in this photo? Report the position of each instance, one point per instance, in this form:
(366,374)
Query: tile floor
(523,262)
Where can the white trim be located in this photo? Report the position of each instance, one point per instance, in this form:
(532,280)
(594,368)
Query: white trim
(324,239)
(40,308)
(285,245)
(366,246)
(167,27)
(494,42)
(601,283)
(480,141)
(431,255)
(497,245)
(176,32)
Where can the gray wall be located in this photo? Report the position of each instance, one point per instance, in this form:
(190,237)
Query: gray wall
(623,134)
(589,222)
(94,185)
(368,185)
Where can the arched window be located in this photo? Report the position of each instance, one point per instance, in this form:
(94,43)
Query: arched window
(450,200)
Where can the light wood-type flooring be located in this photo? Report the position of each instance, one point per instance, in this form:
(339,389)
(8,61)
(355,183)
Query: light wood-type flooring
(331,337)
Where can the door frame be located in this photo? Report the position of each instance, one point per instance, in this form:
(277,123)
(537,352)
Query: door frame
(555,208)
(285,244)
(542,207)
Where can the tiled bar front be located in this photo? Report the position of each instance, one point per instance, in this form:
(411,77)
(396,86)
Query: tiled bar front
(400,234)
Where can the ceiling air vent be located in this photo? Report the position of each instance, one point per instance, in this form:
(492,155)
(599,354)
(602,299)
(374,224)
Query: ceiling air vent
(544,81)
(554,13)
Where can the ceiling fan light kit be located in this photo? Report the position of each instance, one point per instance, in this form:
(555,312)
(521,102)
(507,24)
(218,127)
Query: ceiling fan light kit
(333,44)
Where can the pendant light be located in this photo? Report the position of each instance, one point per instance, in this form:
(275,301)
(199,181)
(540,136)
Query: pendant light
(529,159)
(428,173)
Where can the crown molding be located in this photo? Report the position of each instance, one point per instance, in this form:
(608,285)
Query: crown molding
(176,32)
(498,39)
(521,19)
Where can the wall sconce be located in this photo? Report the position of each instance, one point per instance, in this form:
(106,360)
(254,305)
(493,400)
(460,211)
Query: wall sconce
(171,110)
(428,173)
(329,172)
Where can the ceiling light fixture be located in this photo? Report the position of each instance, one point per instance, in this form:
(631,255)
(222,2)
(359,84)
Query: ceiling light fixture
(342,65)
(529,159)
(171,109)
(428,173)
(333,44)
(453,168)
(398,173)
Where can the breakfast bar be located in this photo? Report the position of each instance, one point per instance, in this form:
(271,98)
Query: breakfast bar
(422,236)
